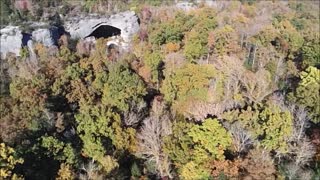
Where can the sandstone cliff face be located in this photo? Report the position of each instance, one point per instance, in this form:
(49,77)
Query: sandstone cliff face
(78,28)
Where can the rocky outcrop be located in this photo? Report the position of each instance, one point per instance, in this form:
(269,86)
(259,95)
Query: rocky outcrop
(12,38)
(43,36)
(127,22)
(48,37)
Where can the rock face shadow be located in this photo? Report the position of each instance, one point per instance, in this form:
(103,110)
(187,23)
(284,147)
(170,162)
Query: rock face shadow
(25,38)
(105,31)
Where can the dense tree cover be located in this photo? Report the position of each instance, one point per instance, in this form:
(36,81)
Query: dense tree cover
(223,92)
(268,121)
(17,12)
(8,162)
(188,83)
(307,92)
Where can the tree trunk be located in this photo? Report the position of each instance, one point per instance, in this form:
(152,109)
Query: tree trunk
(254,55)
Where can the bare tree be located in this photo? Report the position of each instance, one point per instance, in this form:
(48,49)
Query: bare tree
(301,122)
(293,171)
(150,137)
(257,85)
(199,110)
(173,61)
(50,118)
(229,66)
(304,152)
(301,152)
(91,172)
(25,69)
(259,164)
(300,149)
(60,124)
(241,138)
(136,114)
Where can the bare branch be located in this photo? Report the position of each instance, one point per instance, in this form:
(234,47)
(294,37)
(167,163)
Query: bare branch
(135,114)
(150,142)
(302,152)
(301,122)
(241,138)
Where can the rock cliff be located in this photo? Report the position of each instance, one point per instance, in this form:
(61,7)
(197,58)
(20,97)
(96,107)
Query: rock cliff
(12,38)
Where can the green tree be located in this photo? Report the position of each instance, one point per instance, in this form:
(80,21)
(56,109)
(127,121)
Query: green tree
(266,36)
(194,47)
(192,171)
(101,122)
(163,33)
(221,40)
(5,12)
(270,122)
(178,145)
(60,150)
(189,83)
(122,88)
(307,92)
(65,172)
(82,80)
(135,170)
(188,20)
(277,127)
(311,50)
(8,161)
(26,93)
(211,137)
(153,62)
(192,146)
(101,131)
(290,40)
(197,39)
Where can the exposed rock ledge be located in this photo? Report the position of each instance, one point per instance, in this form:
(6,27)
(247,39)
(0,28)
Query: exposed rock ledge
(12,38)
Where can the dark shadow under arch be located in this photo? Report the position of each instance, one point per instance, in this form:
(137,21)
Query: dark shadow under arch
(105,31)
(25,38)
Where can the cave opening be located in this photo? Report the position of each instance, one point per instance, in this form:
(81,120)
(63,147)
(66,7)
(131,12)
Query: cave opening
(105,31)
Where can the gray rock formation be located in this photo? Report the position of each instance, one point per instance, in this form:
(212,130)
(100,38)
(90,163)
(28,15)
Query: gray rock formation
(48,37)
(10,40)
(78,28)
(127,22)
(43,36)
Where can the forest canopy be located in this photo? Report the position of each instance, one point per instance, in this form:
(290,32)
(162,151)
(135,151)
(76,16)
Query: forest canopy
(223,91)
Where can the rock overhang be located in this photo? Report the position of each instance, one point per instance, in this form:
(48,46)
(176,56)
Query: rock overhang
(126,21)
(12,38)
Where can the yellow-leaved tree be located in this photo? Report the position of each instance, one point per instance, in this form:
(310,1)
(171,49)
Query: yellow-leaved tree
(8,161)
